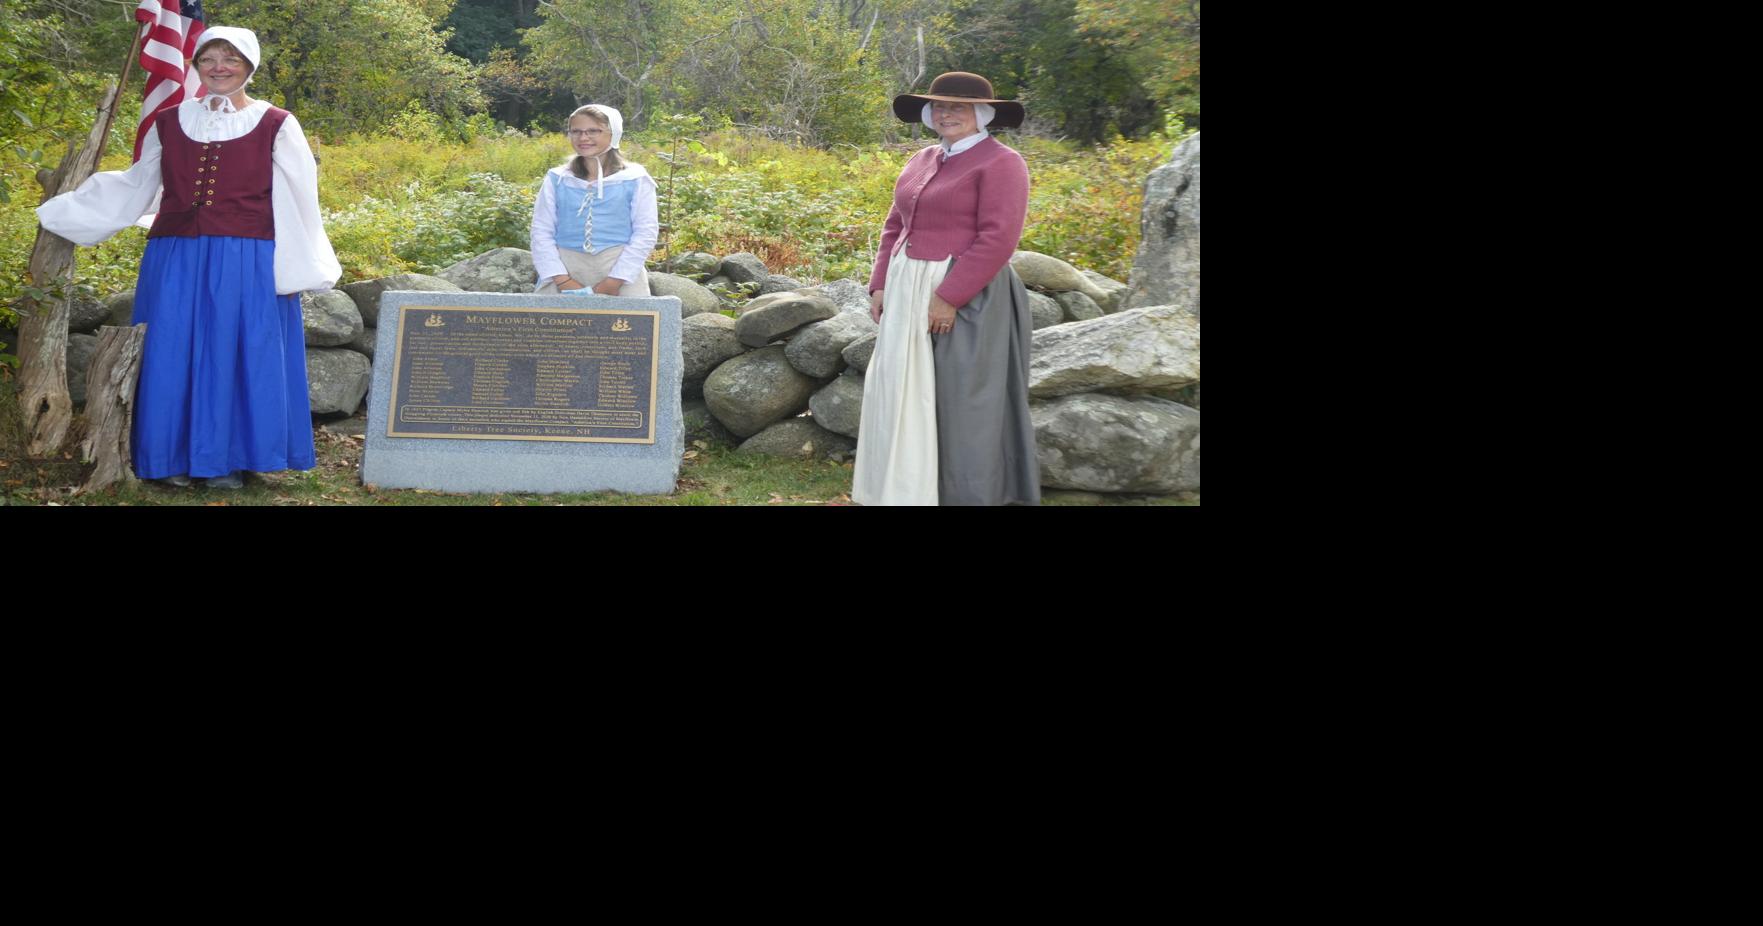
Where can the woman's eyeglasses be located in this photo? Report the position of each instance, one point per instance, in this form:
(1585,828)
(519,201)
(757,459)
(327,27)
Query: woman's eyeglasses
(585,133)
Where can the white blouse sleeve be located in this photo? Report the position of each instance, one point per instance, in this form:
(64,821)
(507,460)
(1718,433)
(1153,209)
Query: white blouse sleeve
(303,256)
(645,229)
(544,235)
(107,202)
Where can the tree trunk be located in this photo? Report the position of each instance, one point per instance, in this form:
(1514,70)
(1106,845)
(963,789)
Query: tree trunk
(110,405)
(869,32)
(42,332)
(922,64)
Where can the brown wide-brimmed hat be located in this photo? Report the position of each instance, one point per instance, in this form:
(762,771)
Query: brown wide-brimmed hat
(959,87)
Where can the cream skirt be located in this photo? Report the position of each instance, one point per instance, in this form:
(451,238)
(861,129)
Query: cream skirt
(590,269)
(897,437)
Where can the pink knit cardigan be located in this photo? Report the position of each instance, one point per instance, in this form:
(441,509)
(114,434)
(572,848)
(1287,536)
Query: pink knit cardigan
(971,206)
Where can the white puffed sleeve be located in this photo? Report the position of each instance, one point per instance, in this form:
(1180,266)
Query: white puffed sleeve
(544,234)
(303,256)
(645,229)
(107,202)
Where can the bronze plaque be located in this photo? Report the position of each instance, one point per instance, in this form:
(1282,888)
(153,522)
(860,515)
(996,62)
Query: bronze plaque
(525,374)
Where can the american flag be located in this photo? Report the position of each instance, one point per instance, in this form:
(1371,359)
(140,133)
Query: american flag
(172,29)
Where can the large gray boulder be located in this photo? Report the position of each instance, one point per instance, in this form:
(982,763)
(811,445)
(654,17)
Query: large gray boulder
(503,270)
(780,284)
(365,341)
(706,342)
(1150,350)
(801,439)
(337,379)
(818,350)
(839,406)
(1166,270)
(367,292)
(1051,274)
(776,320)
(121,309)
(760,302)
(1113,297)
(1078,307)
(349,427)
(331,318)
(693,299)
(80,350)
(1104,443)
(859,352)
(847,296)
(700,425)
(695,264)
(86,313)
(1045,310)
(745,268)
(756,390)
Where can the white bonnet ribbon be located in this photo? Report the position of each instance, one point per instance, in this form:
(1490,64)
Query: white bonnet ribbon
(599,175)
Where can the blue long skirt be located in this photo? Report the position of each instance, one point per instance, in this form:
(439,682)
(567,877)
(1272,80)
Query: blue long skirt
(223,371)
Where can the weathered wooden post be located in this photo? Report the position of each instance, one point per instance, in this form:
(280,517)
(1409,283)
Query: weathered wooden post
(110,405)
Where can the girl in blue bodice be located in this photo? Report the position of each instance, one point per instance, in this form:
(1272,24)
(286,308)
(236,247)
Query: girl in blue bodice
(595,219)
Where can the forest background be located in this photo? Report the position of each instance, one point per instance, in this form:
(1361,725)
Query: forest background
(766,122)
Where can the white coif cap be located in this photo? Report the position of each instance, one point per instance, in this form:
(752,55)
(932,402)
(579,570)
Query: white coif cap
(243,39)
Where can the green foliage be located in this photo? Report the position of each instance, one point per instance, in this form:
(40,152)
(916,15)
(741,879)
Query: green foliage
(414,175)
(381,166)
(414,123)
(790,68)
(607,51)
(111,267)
(1072,84)
(393,205)
(816,214)
(345,65)
(1084,203)
(1160,39)
(481,26)
(44,100)
(425,231)
(803,211)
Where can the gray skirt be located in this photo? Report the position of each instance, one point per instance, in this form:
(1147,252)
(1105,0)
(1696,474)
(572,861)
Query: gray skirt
(985,438)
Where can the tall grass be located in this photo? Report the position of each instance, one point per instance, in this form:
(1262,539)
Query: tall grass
(394,205)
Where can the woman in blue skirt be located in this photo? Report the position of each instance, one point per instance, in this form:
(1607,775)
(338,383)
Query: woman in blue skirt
(236,239)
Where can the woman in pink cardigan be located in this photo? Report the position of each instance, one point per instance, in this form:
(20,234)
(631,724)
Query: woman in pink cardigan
(945,399)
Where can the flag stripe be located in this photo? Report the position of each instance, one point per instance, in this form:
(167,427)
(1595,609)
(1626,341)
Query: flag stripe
(170,38)
(171,56)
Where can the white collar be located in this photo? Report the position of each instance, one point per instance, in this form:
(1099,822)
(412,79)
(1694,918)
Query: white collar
(597,182)
(950,151)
